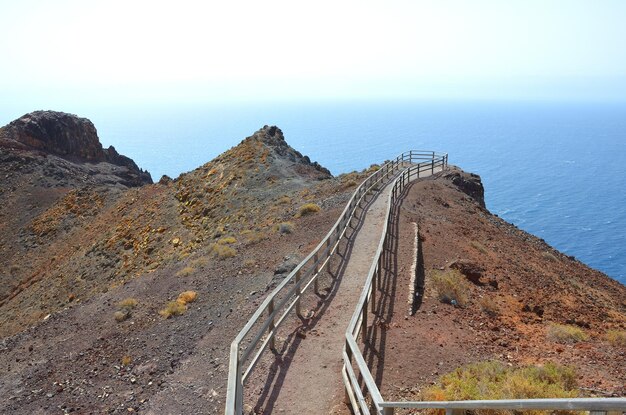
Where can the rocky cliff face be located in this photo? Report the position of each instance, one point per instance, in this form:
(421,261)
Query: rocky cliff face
(70,137)
(468,183)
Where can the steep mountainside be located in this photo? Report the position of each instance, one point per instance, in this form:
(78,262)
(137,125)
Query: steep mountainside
(81,246)
(517,299)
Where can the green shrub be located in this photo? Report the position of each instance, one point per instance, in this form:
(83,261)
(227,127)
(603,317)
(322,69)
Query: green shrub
(451,287)
(307,209)
(494,380)
(564,333)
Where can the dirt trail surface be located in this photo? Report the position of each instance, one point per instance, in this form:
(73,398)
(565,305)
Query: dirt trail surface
(311,381)
(307,378)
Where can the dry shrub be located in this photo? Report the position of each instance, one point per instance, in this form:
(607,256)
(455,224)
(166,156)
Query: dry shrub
(227,241)
(494,380)
(616,337)
(489,306)
(185,272)
(223,251)
(253,237)
(128,303)
(125,308)
(307,209)
(451,287)
(126,360)
(284,200)
(564,333)
(121,315)
(173,308)
(549,256)
(200,262)
(478,246)
(285,227)
(187,297)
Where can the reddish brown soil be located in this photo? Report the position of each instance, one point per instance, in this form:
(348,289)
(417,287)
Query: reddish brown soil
(531,284)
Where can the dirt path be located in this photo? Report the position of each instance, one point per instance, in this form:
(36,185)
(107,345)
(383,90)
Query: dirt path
(307,378)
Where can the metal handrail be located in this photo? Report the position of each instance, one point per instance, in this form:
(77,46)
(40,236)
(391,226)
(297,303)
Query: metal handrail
(359,400)
(565,404)
(359,317)
(302,276)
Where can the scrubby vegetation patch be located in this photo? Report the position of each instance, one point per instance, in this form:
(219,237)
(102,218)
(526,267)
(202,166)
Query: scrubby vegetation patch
(451,287)
(565,333)
(494,380)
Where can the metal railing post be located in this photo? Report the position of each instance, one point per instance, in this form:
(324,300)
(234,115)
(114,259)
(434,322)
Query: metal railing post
(239,397)
(315,271)
(379,271)
(272,326)
(364,322)
(374,284)
(298,293)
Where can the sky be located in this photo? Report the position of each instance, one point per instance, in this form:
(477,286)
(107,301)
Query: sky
(144,52)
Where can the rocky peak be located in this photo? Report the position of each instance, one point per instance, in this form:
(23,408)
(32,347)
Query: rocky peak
(273,138)
(68,136)
(58,133)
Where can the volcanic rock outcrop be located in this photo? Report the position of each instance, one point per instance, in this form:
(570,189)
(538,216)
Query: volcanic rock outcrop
(70,137)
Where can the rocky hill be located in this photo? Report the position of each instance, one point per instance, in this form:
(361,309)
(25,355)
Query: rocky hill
(74,244)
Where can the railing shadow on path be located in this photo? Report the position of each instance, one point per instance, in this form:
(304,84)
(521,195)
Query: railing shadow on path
(282,356)
(376,336)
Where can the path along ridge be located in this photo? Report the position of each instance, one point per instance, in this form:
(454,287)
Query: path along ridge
(311,382)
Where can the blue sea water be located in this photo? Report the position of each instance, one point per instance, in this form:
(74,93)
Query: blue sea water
(557,170)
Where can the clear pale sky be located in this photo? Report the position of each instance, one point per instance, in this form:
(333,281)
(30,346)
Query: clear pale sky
(143,51)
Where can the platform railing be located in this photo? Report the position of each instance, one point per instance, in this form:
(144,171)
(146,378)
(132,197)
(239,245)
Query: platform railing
(259,332)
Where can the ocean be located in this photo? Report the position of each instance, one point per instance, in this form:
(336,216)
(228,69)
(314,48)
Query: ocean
(556,170)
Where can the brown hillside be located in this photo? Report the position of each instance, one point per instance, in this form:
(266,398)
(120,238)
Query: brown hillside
(516,287)
(85,246)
